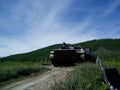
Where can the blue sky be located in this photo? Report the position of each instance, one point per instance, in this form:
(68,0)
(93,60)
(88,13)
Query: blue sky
(27,25)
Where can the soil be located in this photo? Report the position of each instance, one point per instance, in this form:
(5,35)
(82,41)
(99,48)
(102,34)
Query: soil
(42,81)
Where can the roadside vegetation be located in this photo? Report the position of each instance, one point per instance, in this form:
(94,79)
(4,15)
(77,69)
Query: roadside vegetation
(108,50)
(110,58)
(19,65)
(86,76)
(10,71)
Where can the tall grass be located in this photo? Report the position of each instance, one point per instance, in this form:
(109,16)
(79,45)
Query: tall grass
(85,77)
(13,70)
(109,57)
(113,63)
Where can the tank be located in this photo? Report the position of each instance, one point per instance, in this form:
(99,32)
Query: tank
(71,56)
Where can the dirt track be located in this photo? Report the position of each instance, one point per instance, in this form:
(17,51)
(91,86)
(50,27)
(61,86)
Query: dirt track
(42,81)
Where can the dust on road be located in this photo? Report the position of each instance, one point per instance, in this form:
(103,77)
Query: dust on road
(42,81)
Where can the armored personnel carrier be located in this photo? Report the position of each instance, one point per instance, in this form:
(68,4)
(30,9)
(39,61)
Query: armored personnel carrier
(68,56)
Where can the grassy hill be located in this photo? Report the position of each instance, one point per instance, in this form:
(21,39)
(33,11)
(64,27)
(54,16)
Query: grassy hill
(18,65)
(88,76)
(110,44)
(37,55)
(43,54)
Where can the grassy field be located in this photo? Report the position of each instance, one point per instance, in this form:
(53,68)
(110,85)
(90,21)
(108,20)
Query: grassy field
(115,64)
(88,76)
(109,57)
(19,65)
(85,77)
(10,71)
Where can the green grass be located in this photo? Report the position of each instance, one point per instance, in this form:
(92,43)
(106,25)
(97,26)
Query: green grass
(110,44)
(14,70)
(115,64)
(43,53)
(18,65)
(85,77)
(109,57)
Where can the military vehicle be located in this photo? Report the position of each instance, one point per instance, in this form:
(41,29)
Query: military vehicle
(68,56)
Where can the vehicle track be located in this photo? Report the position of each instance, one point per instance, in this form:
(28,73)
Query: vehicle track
(42,81)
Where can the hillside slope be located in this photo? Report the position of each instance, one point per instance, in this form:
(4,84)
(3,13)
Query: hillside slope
(37,55)
(43,53)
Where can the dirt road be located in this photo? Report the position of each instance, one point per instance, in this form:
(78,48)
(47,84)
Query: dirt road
(42,81)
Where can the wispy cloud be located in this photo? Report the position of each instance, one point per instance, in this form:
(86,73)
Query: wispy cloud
(114,5)
(41,27)
(32,25)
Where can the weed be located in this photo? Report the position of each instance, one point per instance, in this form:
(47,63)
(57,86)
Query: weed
(85,77)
